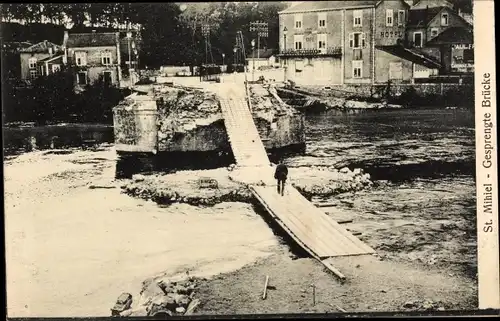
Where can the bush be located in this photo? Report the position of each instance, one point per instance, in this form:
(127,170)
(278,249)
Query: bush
(52,99)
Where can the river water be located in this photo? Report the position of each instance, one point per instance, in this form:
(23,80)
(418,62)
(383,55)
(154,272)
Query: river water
(422,206)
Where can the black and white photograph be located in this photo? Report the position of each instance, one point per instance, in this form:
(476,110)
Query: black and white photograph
(175,159)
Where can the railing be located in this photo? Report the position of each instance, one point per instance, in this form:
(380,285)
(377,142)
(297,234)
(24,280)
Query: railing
(330,51)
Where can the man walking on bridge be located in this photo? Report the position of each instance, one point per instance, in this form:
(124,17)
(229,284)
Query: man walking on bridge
(280,175)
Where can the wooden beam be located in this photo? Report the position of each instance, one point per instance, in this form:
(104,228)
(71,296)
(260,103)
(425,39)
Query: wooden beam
(330,267)
(325,204)
(264,295)
(344,221)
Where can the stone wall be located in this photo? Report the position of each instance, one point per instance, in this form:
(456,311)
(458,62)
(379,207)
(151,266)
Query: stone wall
(369,90)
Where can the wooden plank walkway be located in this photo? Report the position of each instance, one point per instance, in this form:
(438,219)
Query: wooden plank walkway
(244,138)
(310,227)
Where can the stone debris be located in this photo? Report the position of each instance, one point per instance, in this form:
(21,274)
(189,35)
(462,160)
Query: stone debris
(165,298)
(424,305)
(182,186)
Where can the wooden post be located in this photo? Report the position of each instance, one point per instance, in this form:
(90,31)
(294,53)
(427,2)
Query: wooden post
(264,295)
(314,294)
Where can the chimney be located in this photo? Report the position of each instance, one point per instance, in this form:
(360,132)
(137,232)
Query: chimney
(51,52)
(93,35)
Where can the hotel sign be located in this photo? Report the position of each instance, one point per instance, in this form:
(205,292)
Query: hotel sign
(391,34)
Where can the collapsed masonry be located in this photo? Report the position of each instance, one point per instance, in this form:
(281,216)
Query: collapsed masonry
(189,119)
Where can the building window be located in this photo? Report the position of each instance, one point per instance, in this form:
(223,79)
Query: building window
(396,70)
(32,63)
(56,68)
(444,19)
(298,21)
(418,39)
(434,32)
(298,39)
(389,17)
(107,77)
(357,68)
(106,58)
(322,20)
(299,65)
(33,74)
(322,42)
(358,18)
(81,58)
(401,17)
(357,40)
(81,78)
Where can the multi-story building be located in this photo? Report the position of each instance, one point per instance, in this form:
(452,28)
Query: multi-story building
(427,23)
(434,30)
(456,48)
(94,56)
(39,59)
(347,42)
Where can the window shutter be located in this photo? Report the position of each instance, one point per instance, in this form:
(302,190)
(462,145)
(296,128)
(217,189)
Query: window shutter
(351,40)
(363,40)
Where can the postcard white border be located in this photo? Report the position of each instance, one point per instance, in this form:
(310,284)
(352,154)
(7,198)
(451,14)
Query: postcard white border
(486,155)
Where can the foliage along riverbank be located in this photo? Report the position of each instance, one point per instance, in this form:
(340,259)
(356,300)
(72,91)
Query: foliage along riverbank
(52,98)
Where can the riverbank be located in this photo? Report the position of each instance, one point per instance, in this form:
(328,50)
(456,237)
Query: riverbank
(373,286)
(382,96)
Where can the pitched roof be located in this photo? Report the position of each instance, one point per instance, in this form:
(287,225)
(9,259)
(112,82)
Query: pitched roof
(50,59)
(92,39)
(410,55)
(41,47)
(422,17)
(453,35)
(261,53)
(15,46)
(328,5)
(422,4)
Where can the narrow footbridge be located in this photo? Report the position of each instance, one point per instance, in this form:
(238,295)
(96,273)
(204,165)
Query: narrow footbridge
(310,227)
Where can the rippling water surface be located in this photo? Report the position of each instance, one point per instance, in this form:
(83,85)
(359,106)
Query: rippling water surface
(423,205)
(393,144)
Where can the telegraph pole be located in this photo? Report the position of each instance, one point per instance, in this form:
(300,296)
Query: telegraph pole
(205,30)
(262,29)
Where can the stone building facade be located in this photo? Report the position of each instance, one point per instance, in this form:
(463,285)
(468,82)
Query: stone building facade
(347,42)
(93,56)
(31,59)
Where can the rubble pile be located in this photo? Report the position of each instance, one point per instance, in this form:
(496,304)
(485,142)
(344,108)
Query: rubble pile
(181,109)
(184,186)
(163,298)
(266,103)
(328,181)
(343,103)
(425,305)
